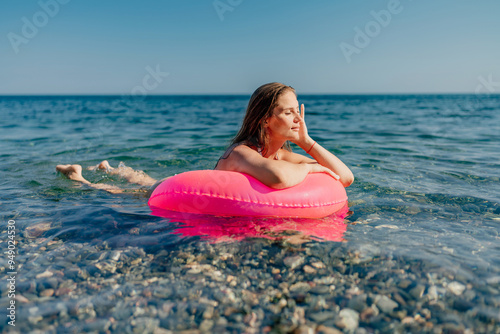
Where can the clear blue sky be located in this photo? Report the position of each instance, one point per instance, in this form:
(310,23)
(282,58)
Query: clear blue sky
(105,47)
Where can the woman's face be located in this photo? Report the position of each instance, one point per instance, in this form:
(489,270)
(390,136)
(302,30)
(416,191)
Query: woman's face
(284,123)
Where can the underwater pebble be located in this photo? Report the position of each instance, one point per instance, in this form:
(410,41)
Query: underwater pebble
(347,319)
(34,231)
(323,316)
(293,261)
(144,325)
(369,313)
(494,280)
(21,298)
(321,289)
(46,273)
(358,303)
(417,292)
(300,286)
(115,255)
(385,304)
(393,227)
(304,329)
(318,265)
(325,280)
(456,288)
(321,329)
(308,269)
(432,293)
(206,325)
(405,283)
(47,293)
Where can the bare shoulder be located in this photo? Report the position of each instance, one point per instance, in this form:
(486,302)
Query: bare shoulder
(244,153)
(240,155)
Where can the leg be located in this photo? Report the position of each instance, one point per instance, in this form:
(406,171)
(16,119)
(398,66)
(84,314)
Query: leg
(131,175)
(74,172)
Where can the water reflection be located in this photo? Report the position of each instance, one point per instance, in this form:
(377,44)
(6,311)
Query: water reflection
(227,229)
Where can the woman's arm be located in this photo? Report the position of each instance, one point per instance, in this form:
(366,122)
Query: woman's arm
(327,159)
(322,155)
(276,174)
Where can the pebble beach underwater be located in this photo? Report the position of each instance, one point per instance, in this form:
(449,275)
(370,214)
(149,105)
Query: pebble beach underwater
(417,250)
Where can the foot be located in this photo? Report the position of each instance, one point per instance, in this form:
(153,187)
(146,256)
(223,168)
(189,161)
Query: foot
(104,165)
(72,172)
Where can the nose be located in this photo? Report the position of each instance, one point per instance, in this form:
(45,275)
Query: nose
(296,119)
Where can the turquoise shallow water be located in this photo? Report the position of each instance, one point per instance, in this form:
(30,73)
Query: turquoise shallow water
(426,193)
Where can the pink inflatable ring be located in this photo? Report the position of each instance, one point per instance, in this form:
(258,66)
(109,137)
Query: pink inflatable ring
(224,193)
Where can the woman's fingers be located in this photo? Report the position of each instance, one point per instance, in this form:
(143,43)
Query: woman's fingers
(329,171)
(317,168)
(302,110)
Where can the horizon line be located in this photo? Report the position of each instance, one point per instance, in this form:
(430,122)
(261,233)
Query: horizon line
(231,94)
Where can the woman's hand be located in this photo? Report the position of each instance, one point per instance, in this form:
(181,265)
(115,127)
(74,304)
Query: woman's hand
(317,168)
(304,141)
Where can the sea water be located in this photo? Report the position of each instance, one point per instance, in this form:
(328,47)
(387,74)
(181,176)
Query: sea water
(418,251)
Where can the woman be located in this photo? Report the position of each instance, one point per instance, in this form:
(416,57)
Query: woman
(261,147)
